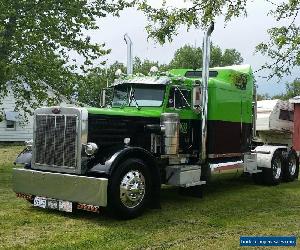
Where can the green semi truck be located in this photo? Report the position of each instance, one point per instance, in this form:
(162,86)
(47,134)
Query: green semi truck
(169,128)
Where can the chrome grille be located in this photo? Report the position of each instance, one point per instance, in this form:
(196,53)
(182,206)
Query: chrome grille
(56,140)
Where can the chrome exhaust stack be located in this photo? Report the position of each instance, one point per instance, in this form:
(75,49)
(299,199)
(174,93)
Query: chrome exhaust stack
(129,54)
(204,90)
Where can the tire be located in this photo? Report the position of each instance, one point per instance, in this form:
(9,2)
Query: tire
(122,201)
(273,176)
(291,167)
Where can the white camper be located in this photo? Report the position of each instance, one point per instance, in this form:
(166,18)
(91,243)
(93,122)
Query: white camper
(274,123)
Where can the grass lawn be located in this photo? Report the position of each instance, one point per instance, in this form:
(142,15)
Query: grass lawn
(232,206)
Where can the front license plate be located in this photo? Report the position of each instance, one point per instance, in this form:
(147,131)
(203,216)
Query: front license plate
(40,202)
(65,206)
(60,205)
(52,204)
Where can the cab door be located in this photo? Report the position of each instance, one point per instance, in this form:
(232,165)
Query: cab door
(179,101)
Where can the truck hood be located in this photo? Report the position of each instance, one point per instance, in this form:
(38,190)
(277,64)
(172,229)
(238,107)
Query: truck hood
(128,111)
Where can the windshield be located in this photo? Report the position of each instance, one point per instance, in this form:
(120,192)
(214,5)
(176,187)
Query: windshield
(138,95)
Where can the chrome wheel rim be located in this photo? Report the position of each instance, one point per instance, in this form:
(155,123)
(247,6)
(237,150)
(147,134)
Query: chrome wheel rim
(292,165)
(132,189)
(277,168)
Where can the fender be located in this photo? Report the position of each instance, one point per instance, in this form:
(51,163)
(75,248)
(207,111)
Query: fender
(265,154)
(119,154)
(24,158)
(135,152)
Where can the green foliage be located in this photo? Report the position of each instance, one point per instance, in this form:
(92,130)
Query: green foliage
(143,67)
(261,97)
(164,22)
(36,40)
(191,57)
(187,57)
(283,47)
(231,56)
(88,89)
(291,90)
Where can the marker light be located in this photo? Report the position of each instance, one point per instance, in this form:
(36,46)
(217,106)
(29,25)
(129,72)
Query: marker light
(91,148)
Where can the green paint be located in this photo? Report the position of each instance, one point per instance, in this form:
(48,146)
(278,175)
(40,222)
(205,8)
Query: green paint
(230,96)
(128,111)
(227,100)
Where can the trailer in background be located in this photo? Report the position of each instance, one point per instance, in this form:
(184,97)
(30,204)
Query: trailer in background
(277,159)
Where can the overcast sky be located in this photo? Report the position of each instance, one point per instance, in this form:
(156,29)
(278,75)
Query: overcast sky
(242,34)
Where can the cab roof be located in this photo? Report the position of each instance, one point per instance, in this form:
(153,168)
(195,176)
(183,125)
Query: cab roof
(159,80)
(224,74)
(216,72)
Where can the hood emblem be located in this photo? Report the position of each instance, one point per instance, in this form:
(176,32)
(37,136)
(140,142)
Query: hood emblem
(56,111)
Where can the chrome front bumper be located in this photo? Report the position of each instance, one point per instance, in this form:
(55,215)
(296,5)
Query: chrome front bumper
(80,189)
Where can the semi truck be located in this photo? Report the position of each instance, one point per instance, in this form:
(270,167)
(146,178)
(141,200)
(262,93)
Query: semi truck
(170,128)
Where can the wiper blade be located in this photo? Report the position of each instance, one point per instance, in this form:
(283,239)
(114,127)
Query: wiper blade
(132,97)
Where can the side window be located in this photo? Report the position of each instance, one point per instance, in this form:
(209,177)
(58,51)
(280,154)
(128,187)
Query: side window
(179,98)
(286,115)
(10,125)
(11,118)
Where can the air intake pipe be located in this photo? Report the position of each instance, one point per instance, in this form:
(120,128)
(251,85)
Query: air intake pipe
(204,90)
(129,54)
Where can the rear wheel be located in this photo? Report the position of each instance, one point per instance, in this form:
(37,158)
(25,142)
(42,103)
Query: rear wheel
(273,175)
(129,189)
(291,167)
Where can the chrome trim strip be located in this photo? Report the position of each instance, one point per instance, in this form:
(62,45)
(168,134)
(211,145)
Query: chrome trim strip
(213,156)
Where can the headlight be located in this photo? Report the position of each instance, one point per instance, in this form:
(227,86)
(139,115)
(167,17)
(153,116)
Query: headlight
(90,148)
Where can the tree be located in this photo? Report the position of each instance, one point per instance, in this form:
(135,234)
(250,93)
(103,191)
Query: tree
(191,57)
(283,47)
(231,56)
(291,90)
(261,97)
(143,67)
(89,88)
(37,39)
(187,57)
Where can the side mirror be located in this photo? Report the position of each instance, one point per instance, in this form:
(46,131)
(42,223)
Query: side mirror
(197,98)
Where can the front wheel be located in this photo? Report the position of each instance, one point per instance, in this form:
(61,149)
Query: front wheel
(129,189)
(291,168)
